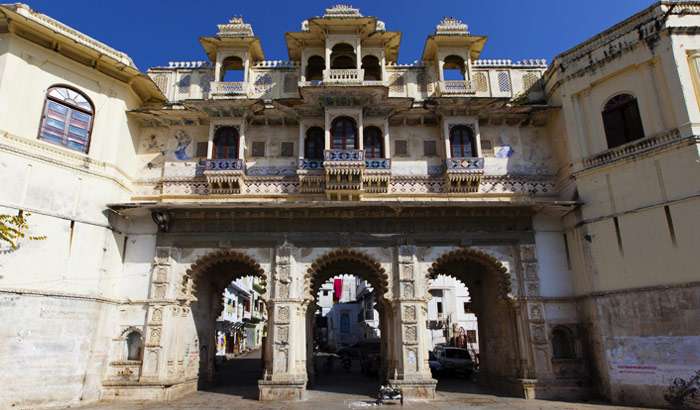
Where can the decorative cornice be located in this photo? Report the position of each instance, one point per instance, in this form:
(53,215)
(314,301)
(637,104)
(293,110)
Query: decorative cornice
(235,28)
(342,10)
(451,27)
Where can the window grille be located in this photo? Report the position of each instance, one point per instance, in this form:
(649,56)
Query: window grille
(503,82)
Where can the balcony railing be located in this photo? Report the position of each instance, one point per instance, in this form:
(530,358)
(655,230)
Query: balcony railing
(310,164)
(457,87)
(350,75)
(229,87)
(343,155)
(465,163)
(233,164)
(378,163)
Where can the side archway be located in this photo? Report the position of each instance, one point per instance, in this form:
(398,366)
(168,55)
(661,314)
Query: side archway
(489,284)
(204,283)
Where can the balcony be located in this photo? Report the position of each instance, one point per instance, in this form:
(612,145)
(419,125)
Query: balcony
(377,175)
(229,88)
(456,88)
(224,176)
(344,169)
(311,176)
(463,174)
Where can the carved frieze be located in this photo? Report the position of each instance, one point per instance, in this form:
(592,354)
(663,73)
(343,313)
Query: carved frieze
(282,314)
(538,334)
(283,290)
(162,256)
(154,339)
(528,252)
(161,274)
(533,289)
(411,334)
(407,289)
(282,334)
(406,271)
(531,271)
(157,316)
(159,292)
(536,312)
(409,313)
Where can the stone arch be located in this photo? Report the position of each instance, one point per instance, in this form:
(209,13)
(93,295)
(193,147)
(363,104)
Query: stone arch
(204,282)
(331,264)
(225,256)
(128,330)
(488,262)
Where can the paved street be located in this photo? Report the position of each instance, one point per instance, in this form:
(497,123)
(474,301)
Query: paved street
(337,389)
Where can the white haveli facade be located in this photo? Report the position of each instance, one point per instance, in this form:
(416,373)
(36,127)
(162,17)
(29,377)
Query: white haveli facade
(564,197)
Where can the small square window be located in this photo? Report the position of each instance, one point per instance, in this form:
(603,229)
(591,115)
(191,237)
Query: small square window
(487,148)
(429,148)
(201,150)
(401,147)
(287,149)
(258,149)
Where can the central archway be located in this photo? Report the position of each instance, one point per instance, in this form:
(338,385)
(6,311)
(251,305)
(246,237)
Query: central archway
(363,266)
(489,285)
(205,281)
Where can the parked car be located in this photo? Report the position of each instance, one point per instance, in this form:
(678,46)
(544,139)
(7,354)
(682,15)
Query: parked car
(434,363)
(353,351)
(370,357)
(455,360)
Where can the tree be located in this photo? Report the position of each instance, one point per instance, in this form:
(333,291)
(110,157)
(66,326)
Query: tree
(12,229)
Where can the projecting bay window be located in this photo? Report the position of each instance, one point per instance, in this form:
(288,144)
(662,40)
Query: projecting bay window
(464,167)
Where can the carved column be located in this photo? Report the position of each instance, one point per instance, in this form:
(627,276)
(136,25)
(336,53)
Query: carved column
(153,356)
(412,372)
(284,377)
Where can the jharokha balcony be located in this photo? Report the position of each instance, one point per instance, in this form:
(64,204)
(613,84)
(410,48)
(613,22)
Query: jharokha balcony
(225,176)
(344,174)
(463,174)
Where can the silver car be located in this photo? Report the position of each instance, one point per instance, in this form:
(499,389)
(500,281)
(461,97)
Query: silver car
(454,359)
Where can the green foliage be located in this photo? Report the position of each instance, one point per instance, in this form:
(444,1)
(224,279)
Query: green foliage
(519,99)
(12,229)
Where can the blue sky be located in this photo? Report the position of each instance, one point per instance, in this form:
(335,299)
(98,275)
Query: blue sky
(155,32)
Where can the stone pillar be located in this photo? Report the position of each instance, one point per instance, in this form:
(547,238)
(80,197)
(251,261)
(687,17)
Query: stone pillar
(285,377)
(153,356)
(412,372)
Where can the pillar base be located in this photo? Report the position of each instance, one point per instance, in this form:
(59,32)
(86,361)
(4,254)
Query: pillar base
(277,390)
(416,389)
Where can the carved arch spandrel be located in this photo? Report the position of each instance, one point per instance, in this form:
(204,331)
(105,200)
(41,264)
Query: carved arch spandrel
(323,269)
(467,255)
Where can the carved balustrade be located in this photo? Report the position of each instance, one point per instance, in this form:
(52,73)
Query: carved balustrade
(229,88)
(225,176)
(457,87)
(344,76)
(463,174)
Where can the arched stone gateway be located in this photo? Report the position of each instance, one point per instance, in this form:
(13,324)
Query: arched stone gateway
(185,302)
(514,356)
(354,262)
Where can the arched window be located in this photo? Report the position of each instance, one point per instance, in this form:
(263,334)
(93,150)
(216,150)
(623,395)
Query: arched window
(225,143)
(314,143)
(67,119)
(372,70)
(622,120)
(374,143)
(314,68)
(562,344)
(343,133)
(134,346)
(453,68)
(343,56)
(462,142)
(232,69)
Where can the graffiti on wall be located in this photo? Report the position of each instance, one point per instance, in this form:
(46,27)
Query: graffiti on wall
(652,360)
